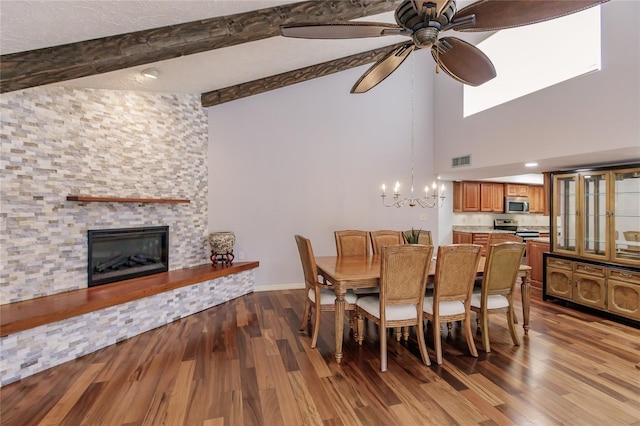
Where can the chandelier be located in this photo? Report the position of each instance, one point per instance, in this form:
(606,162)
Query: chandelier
(431,199)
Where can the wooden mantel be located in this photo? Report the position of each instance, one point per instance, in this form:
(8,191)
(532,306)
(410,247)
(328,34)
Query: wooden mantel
(20,316)
(106,199)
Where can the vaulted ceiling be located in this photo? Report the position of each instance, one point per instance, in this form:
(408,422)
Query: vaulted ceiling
(223,50)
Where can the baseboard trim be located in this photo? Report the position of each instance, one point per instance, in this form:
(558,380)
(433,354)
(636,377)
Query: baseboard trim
(292,286)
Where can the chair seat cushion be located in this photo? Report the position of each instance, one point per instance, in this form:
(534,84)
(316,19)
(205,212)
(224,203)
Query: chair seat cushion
(446,308)
(494,301)
(328,297)
(371,304)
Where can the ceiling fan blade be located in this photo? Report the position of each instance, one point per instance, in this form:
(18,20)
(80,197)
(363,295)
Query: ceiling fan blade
(339,30)
(463,61)
(383,68)
(491,15)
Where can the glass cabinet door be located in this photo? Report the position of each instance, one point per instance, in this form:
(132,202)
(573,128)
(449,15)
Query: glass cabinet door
(564,222)
(625,215)
(593,241)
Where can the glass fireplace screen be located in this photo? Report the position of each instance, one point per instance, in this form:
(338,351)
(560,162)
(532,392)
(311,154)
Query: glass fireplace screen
(121,254)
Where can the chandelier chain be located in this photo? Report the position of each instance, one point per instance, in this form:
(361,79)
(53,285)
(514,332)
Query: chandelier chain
(432,200)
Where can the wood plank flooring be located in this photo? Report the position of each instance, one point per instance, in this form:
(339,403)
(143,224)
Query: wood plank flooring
(245,363)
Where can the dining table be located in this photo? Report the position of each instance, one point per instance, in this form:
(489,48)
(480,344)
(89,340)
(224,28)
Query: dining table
(354,272)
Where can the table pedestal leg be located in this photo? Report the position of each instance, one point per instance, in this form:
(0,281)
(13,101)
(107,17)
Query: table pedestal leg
(339,322)
(525,290)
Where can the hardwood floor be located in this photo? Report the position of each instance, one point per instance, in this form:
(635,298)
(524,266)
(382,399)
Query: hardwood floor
(245,363)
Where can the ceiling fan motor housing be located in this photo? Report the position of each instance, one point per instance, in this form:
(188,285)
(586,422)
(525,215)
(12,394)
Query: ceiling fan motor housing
(424,24)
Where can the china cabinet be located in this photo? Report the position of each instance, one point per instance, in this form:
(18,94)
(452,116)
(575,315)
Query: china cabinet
(594,257)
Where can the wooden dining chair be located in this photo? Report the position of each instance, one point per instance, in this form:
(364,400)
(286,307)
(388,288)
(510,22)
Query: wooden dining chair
(424,237)
(498,284)
(456,268)
(404,270)
(383,238)
(319,297)
(352,243)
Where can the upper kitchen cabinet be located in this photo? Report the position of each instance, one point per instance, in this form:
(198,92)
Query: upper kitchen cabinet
(516,190)
(466,197)
(596,215)
(536,199)
(491,197)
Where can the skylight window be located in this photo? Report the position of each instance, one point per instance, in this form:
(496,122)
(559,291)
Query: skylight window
(533,57)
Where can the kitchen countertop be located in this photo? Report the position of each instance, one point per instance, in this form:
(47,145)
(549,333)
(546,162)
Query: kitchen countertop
(490,230)
(539,240)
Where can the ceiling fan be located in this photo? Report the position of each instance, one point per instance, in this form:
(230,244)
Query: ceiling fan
(424,20)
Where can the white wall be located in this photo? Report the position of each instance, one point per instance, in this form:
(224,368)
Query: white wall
(596,113)
(310,159)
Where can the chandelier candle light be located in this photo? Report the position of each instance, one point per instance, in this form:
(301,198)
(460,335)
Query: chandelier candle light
(428,201)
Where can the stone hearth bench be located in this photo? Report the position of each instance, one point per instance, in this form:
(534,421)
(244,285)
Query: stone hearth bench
(41,333)
(20,316)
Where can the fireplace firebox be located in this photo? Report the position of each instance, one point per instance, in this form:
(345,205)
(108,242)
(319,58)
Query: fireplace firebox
(121,254)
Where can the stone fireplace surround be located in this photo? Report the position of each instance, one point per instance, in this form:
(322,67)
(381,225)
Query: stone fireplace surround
(58,141)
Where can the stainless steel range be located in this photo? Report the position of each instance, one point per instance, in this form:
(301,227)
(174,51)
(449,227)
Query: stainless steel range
(512,225)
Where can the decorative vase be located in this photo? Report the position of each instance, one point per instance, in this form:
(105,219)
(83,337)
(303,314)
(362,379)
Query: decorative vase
(222,247)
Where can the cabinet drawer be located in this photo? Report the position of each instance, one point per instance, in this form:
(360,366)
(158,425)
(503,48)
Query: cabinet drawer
(625,276)
(585,268)
(559,263)
(480,238)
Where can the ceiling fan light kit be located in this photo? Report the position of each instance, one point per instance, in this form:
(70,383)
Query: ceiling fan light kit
(423,21)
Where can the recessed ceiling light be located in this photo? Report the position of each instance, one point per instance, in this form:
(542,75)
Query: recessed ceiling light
(151,73)
(531,165)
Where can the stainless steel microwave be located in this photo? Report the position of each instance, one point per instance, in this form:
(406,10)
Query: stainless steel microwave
(516,204)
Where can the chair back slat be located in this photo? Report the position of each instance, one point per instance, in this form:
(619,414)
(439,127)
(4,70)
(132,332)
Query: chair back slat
(352,243)
(404,270)
(456,269)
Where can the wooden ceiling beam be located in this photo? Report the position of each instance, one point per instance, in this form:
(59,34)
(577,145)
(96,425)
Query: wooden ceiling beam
(32,68)
(278,81)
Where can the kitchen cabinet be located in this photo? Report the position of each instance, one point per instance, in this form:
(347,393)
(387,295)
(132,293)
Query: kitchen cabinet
(480,238)
(462,237)
(536,199)
(488,197)
(516,190)
(466,197)
(534,257)
(492,197)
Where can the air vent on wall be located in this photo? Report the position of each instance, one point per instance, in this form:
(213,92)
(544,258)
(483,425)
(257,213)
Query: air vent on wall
(465,160)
